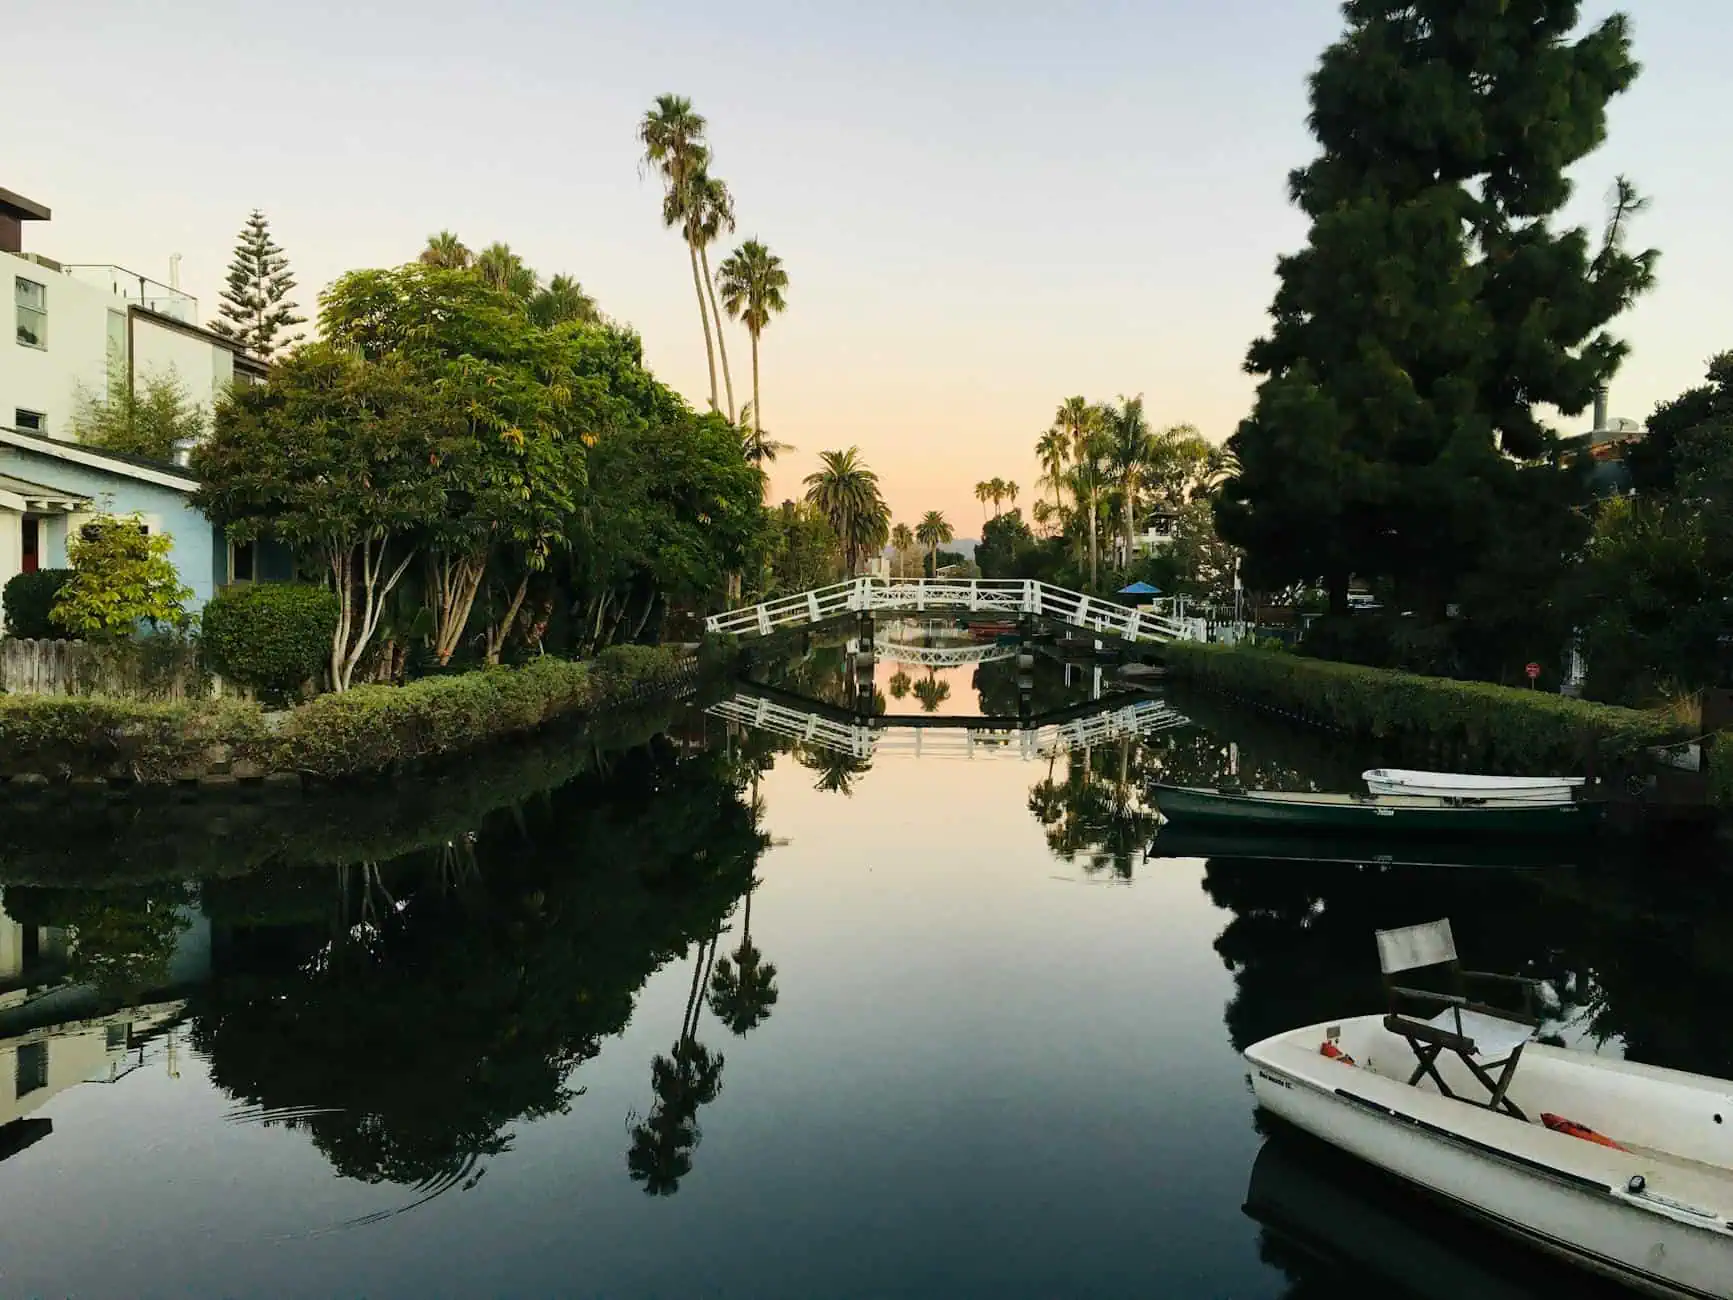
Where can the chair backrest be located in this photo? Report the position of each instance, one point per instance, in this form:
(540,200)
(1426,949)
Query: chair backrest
(1416,946)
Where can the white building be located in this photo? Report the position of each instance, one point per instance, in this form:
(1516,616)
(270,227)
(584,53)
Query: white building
(81,327)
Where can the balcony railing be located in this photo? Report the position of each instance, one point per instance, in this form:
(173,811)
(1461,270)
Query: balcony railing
(153,295)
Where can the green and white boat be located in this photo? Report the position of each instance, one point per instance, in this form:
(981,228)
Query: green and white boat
(1377,814)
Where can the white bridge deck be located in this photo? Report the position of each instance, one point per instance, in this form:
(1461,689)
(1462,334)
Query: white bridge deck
(1011,597)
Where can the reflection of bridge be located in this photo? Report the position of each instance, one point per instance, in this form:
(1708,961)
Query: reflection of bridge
(836,729)
(1009,597)
(955,655)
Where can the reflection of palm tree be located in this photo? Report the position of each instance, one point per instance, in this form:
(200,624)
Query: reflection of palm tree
(837,771)
(743,990)
(899,685)
(688,1077)
(932,692)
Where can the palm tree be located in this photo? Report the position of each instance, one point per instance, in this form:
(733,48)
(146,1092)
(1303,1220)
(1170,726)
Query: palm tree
(712,213)
(1131,452)
(752,281)
(1054,450)
(505,271)
(446,250)
(903,538)
(847,492)
(932,532)
(755,443)
(1043,512)
(932,692)
(984,494)
(899,685)
(563,299)
(673,139)
(1011,490)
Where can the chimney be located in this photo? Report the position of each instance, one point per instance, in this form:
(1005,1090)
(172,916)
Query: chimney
(174,270)
(15,210)
(1600,408)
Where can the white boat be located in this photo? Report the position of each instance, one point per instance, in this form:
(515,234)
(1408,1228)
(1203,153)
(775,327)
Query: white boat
(1655,1213)
(1463,785)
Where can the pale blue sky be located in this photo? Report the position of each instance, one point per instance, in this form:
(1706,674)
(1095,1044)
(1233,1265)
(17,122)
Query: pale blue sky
(983,207)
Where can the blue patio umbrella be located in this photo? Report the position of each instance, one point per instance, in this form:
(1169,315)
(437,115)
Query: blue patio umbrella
(1140,589)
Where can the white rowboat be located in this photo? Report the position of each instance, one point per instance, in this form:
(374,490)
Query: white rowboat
(1462,785)
(1656,1215)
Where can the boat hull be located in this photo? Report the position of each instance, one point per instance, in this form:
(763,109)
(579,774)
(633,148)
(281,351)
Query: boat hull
(1369,816)
(1565,1211)
(1451,785)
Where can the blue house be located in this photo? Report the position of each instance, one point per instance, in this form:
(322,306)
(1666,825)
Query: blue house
(49,488)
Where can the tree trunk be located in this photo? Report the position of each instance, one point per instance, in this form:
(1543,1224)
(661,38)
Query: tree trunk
(935,560)
(454,582)
(758,423)
(704,315)
(716,315)
(1129,492)
(500,633)
(1094,541)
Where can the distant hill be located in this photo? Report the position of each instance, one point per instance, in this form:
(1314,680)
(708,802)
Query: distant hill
(964,546)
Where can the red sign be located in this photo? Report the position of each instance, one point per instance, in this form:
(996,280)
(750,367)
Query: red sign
(1533,671)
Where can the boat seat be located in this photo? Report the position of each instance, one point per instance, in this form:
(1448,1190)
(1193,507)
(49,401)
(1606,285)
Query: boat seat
(1484,1038)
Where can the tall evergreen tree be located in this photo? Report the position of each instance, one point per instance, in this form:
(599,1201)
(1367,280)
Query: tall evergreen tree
(256,308)
(1434,306)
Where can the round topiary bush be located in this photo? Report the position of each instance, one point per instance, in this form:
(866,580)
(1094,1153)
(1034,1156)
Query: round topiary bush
(272,637)
(28,598)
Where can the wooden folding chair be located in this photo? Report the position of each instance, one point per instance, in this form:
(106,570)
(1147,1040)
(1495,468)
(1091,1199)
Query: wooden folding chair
(1484,1038)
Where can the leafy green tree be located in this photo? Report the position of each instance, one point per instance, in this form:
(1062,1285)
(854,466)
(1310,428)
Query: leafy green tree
(753,285)
(505,272)
(255,307)
(1434,306)
(847,492)
(149,420)
(513,476)
(672,135)
(1653,462)
(447,251)
(933,531)
(337,457)
(562,300)
(1005,543)
(122,576)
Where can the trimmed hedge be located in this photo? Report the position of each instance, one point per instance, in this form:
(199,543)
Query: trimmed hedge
(1494,728)
(29,598)
(272,637)
(367,729)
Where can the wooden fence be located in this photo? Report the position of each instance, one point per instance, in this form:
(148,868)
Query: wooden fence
(149,669)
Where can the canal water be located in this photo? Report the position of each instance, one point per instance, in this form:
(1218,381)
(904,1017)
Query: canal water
(719,1004)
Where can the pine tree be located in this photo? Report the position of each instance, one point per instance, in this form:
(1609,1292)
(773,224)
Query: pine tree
(256,308)
(1394,434)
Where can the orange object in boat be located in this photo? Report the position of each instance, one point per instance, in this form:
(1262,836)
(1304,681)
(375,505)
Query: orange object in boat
(1335,1053)
(1570,1128)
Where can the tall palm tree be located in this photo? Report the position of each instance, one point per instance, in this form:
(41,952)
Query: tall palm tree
(446,250)
(505,271)
(1044,512)
(1131,454)
(563,299)
(712,213)
(1087,472)
(756,443)
(903,538)
(742,991)
(847,493)
(1011,490)
(1054,450)
(673,139)
(984,494)
(752,282)
(932,532)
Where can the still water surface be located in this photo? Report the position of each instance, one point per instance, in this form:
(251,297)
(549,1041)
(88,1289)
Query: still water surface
(971,1037)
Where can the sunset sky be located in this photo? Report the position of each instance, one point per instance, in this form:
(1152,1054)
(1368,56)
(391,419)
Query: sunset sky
(983,208)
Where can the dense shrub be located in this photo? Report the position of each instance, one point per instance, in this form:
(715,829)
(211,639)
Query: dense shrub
(77,735)
(1494,728)
(28,598)
(273,637)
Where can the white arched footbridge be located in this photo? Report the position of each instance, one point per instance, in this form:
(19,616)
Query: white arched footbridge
(1009,597)
(953,655)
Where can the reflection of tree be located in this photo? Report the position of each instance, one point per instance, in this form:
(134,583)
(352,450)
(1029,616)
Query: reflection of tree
(932,692)
(743,989)
(900,684)
(452,992)
(836,770)
(1096,813)
(690,1076)
(996,685)
(119,941)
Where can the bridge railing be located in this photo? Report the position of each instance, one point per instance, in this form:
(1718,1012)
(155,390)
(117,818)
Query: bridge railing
(1008,596)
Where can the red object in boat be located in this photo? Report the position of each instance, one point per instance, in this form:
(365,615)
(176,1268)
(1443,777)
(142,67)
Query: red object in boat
(1570,1128)
(1335,1053)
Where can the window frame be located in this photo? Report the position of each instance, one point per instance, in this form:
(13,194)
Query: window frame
(41,418)
(20,307)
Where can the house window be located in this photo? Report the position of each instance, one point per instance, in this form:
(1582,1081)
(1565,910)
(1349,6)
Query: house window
(32,1069)
(32,558)
(32,300)
(93,532)
(30,421)
(243,563)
